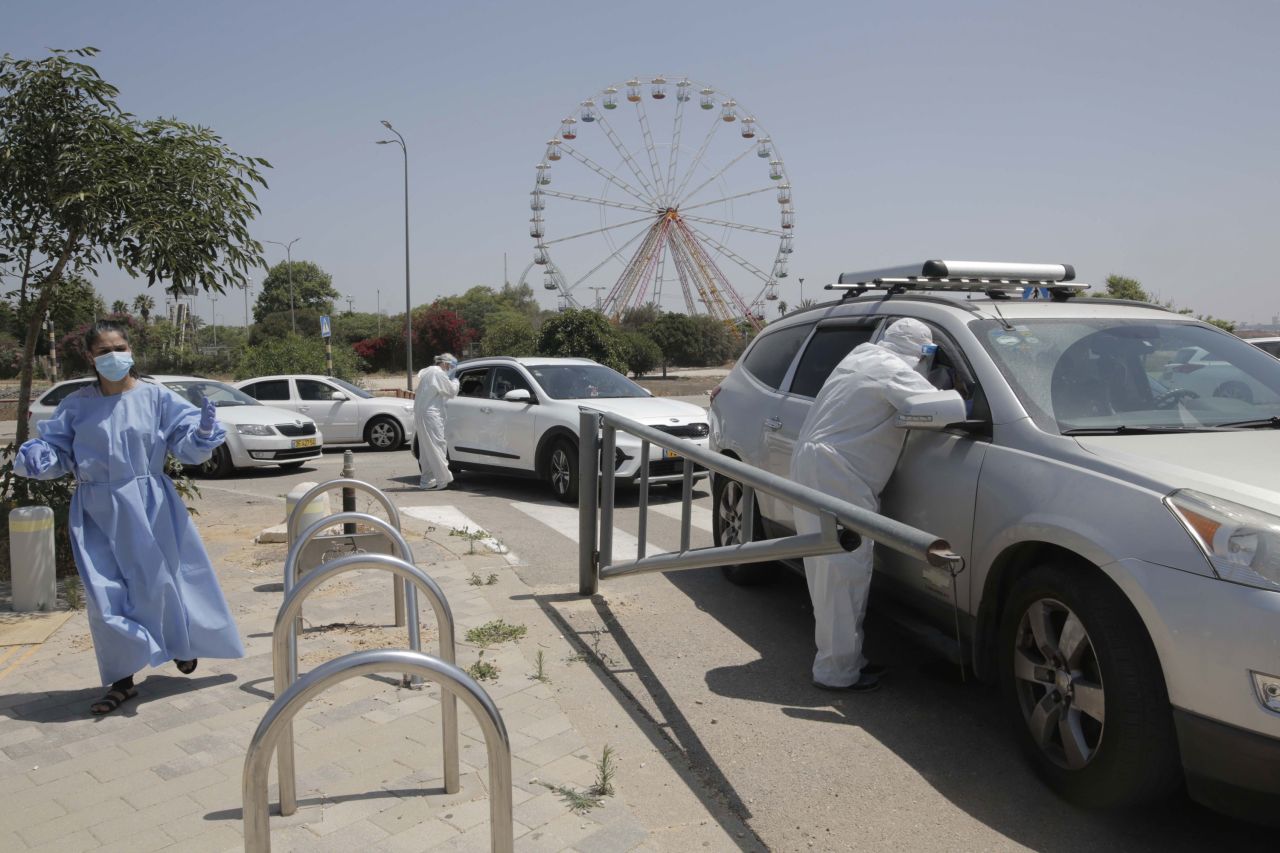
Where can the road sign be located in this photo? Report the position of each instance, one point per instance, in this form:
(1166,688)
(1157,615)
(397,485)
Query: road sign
(324,325)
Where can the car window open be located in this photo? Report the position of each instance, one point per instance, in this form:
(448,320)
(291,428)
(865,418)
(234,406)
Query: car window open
(471,383)
(314,392)
(505,380)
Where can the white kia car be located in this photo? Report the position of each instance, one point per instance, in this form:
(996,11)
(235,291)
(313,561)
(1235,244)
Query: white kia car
(519,416)
(346,414)
(257,436)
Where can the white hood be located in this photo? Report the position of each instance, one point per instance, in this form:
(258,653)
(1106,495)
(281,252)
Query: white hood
(1240,466)
(647,410)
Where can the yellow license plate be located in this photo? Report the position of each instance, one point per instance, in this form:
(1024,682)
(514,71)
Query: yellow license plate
(669,454)
(304,442)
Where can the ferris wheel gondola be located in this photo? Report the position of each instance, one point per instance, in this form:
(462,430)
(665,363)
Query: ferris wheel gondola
(638,213)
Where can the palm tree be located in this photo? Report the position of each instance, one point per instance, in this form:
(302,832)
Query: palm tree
(119,307)
(782,307)
(143,305)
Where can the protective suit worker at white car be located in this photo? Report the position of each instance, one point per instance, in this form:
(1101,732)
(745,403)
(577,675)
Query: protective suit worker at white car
(434,387)
(848,448)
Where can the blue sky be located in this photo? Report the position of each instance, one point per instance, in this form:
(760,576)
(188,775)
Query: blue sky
(1125,137)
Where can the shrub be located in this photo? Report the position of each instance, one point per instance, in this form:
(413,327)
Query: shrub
(293,354)
(641,353)
(511,334)
(579,333)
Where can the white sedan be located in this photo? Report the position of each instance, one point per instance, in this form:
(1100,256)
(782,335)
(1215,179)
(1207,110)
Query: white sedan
(346,414)
(257,436)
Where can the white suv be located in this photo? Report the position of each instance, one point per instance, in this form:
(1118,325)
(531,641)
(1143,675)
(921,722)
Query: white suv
(520,416)
(1121,533)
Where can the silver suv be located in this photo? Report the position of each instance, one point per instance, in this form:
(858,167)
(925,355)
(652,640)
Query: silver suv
(1120,525)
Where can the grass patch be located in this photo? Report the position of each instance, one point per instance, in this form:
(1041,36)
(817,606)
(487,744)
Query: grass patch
(476,580)
(497,631)
(581,802)
(483,670)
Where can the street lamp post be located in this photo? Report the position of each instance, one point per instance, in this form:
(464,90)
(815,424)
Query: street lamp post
(802,293)
(213,311)
(408,306)
(288,253)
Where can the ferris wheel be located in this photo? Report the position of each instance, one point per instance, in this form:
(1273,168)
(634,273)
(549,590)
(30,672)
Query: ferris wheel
(665,191)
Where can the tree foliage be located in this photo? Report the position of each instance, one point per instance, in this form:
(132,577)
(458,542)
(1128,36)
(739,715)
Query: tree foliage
(1121,287)
(641,353)
(312,289)
(509,333)
(438,330)
(294,354)
(82,182)
(580,333)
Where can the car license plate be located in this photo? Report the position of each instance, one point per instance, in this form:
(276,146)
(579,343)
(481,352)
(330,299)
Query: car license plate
(669,454)
(304,442)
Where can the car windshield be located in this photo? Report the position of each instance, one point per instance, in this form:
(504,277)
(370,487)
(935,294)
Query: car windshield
(347,386)
(584,381)
(195,390)
(1100,375)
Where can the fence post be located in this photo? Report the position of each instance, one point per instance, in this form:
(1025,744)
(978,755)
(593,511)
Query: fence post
(588,501)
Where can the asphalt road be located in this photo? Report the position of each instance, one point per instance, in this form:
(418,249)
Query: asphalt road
(722,672)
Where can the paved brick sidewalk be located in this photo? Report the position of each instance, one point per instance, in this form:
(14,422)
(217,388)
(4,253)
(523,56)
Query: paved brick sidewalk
(165,771)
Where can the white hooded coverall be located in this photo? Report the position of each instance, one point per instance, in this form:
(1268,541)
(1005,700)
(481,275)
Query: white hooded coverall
(848,448)
(433,389)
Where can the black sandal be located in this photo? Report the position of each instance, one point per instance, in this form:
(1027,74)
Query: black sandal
(116,696)
(186,667)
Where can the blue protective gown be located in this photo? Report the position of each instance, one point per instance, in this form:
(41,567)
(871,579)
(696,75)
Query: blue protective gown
(150,590)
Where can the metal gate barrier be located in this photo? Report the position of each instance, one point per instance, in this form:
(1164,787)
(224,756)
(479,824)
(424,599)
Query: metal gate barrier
(842,523)
(279,717)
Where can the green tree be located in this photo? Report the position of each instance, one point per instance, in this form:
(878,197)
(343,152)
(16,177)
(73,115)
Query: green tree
(1120,287)
(674,335)
(143,305)
(509,333)
(580,333)
(638,318)
(641,353)
(82,181)
(312,292)
(119,307)
(782,307)
(293,354)
(713,342)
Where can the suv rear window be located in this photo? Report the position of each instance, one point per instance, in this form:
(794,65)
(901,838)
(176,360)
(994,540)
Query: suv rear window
(54,396)
(272,389)
(773,353)
(829,345)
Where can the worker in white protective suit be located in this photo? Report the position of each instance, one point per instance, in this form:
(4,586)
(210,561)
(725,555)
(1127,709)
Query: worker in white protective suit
(434,387)
(848,448)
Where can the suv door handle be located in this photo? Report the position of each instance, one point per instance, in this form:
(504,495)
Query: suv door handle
(486,410)
(773,423)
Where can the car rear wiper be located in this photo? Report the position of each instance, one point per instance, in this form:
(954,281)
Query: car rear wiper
(1258,423)
(1148,430)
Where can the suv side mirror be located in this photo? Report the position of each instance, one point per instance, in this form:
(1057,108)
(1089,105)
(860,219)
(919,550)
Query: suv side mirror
(337,396)
(518,395)
(934,410)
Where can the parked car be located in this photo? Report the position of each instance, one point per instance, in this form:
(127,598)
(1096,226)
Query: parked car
(1121,533)
(257,436)
(519,416)
(346,414)
(1269,345)
(1195,369)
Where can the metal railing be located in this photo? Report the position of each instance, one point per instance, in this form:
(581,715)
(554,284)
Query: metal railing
(279,717)
(597,437)
(351,485)
(284,655)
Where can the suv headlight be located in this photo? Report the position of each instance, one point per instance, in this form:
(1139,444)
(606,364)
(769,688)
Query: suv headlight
(255,429)
(1241,543)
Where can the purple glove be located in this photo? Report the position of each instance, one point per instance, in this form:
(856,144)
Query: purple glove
(208,418)
(36,457)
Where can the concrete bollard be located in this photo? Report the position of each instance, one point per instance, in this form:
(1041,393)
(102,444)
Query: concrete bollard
(31,556)
(316,510)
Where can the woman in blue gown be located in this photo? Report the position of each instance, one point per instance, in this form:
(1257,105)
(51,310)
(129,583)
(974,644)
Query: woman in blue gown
(151,592)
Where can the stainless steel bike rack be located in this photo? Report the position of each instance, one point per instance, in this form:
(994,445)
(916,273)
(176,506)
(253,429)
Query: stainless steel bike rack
(284,655)
(279,717)
(597,435)
(393,515)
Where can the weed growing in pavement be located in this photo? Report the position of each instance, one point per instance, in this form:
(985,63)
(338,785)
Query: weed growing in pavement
(483,670)
(497,631)
(470,535)
(540,674)
(71,592)
(476,580)
(581,802)
(596,655)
